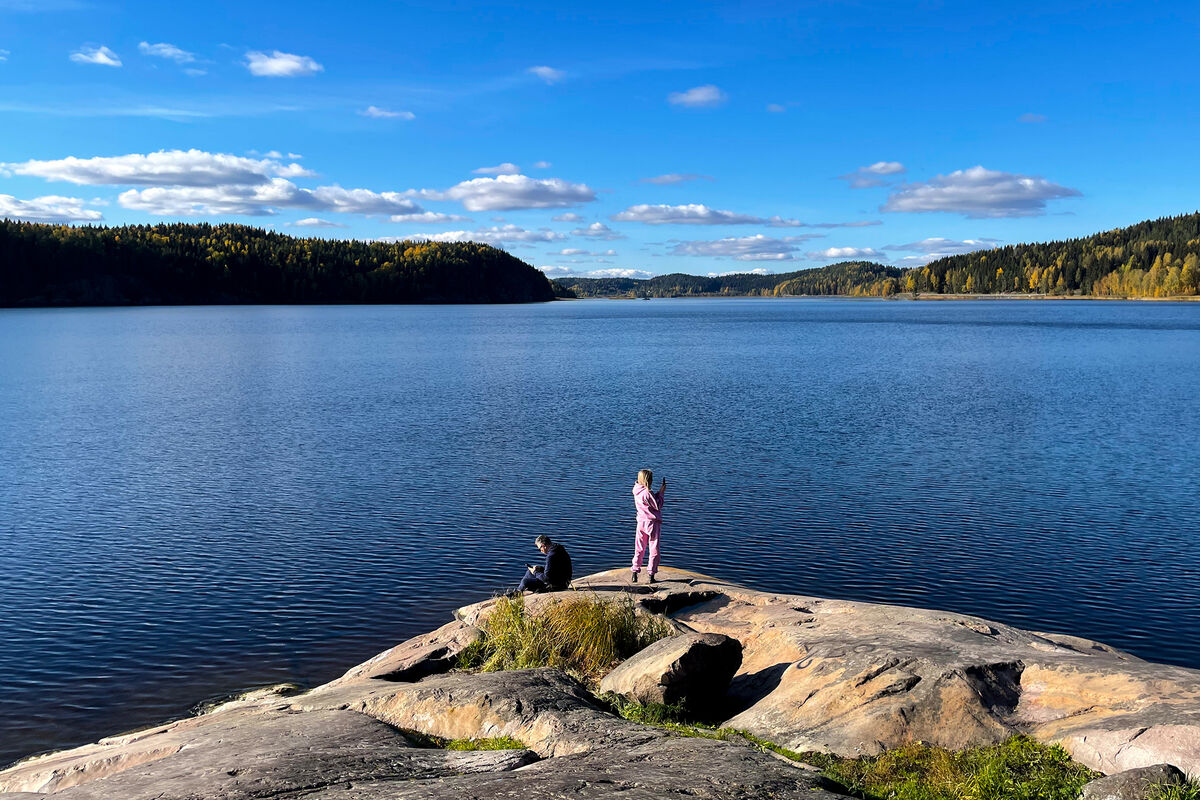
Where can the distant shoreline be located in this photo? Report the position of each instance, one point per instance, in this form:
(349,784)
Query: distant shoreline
(901,296)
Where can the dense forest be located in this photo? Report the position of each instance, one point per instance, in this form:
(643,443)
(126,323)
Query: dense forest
(1159,258)
(60,265)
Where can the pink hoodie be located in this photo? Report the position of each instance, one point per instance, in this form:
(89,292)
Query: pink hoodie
(649,506)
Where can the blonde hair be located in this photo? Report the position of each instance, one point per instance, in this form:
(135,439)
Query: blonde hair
(645,478)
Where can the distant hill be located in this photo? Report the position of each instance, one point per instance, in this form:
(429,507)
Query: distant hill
(1158,258)
(834,279)
(59,265)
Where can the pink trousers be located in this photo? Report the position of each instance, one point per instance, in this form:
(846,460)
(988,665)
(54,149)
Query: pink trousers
(647,536)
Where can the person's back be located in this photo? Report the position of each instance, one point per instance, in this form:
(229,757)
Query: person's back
(558,568)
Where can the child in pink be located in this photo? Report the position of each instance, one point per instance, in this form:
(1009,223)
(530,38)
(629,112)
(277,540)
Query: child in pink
(649,522)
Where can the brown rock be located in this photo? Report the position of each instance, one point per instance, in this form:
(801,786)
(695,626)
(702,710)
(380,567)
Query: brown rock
(692,670)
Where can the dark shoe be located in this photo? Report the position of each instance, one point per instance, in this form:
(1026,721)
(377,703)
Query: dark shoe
(651,578)
(633,577)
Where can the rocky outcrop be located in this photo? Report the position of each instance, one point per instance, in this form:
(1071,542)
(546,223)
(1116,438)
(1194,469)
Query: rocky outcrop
(1133,784)
(691,670)
(346,741)
(832,675)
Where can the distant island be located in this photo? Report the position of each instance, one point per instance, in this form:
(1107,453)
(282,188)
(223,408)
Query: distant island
(1157,258)
(178,264)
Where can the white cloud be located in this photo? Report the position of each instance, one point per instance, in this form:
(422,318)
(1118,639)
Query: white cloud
(195,72)
(745,248)
(845,253)
(163,168)
(707,96)
(507,168)
(597,230)
(277,64)
(500,234)
(542,165)
(1032,118)
(4,54)
(775,108)
(755,271)
(618,273)
(979,193)
(50,208)
(316,222)
(375,112)
(937,247)
(167,51)
(511,192)
(945,246)
(874,175)
(559,271)
(427,216)
(575,251)
(548,74)
(96,55)
(568,217)
(698,214)
(672,178)
(264,199)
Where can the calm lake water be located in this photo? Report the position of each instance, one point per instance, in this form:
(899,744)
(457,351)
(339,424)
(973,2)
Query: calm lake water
(197,500)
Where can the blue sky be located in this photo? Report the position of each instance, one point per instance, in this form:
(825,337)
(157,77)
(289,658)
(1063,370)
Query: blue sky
(618,138)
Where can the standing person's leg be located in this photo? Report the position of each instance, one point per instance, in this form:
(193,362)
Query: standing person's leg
(652,536)
(639,550)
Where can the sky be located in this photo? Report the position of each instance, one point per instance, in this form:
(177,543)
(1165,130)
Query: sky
(613,138)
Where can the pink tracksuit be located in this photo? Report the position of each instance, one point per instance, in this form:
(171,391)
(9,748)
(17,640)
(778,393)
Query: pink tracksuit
(649,525)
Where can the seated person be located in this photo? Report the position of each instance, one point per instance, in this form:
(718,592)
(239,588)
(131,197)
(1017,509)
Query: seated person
(555,576)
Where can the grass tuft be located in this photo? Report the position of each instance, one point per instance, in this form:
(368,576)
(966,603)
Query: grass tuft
(584,636)
(1187,791)
(1016,769)
(424,740)
(497,743)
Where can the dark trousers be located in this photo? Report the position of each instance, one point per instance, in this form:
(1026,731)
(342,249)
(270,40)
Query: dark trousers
(532,583)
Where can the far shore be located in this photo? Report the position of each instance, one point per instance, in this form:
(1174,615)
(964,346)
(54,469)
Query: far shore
(900,296)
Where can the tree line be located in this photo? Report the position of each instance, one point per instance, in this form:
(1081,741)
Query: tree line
(1156,258)
(178,263)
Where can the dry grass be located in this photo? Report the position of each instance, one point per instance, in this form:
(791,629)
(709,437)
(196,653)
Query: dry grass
(583,635)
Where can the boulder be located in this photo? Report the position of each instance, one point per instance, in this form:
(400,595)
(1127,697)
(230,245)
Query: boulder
(692,670)
(1132,784)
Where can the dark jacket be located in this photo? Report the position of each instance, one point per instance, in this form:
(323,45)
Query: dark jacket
(557,572)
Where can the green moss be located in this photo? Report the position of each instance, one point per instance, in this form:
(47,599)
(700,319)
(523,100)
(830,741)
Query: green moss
(584,636)
(418,739)
(497,743)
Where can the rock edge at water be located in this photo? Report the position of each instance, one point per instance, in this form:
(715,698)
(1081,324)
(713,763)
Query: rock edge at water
(816,674)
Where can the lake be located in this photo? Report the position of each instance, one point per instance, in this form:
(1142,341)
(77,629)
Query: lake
(203,499)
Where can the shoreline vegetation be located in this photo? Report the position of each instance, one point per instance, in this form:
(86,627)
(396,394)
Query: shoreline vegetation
(1157,259)
(200,264)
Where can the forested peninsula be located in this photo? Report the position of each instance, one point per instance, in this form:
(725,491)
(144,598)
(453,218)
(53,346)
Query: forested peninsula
(1158,258)
(177,264)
